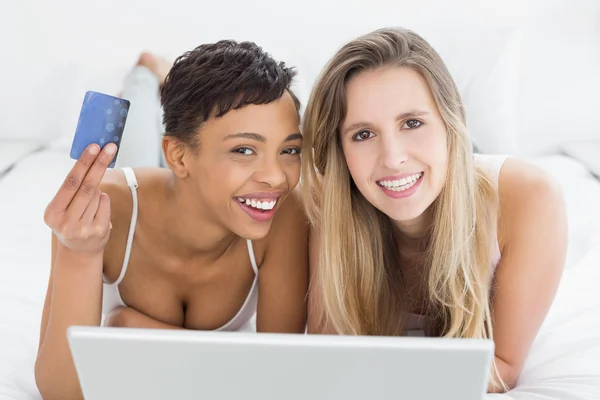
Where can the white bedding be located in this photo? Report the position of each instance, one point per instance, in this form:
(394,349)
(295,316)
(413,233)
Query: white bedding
(564,363)
(12,151)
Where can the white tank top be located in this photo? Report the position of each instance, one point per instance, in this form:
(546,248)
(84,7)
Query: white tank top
(244,320)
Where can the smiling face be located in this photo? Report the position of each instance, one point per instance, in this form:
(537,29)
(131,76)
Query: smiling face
(246,163)
(395,143)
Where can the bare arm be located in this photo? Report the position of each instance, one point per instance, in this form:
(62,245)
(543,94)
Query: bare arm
(127,317)
(47,301)
(74,298)
(79,216)
(533,224)
(283,277)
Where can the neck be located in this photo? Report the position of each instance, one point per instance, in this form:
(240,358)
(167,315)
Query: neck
(189,228)
(413,236)
(414,230)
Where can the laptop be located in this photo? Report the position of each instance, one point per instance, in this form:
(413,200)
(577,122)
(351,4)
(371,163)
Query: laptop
(123,363)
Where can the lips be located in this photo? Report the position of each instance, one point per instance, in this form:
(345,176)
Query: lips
(403,186)
(399,183)
(259,206)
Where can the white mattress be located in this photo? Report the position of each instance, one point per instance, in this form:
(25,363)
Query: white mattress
(12,151)
(563,363)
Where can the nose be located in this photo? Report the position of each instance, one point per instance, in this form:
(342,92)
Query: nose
(392,151)
(271,173)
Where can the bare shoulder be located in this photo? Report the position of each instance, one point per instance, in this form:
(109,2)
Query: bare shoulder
(115,186)
(521,180)
(151,181)
(290,214)
(290,223)
(527,194)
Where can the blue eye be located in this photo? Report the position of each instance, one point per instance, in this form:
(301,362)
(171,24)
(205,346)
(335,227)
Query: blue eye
(363,135)
(244,151)
(292,151)
(412,124)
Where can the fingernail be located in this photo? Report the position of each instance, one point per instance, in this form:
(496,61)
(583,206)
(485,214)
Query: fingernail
(94,150)
(110,227)
(110,149)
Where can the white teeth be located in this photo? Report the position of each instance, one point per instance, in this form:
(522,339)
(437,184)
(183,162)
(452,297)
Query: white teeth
(261,205)
(401,184)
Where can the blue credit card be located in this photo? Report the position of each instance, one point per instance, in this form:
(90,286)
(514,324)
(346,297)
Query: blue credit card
(101,121)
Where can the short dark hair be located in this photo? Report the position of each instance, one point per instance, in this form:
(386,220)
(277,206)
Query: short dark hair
(215,78)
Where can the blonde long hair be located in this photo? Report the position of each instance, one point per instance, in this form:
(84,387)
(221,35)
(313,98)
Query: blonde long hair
(359,275)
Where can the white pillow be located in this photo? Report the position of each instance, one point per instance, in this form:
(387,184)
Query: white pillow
(484,62)
(587,152)
(13,151)
(485,65)
(82,79)
(35,100)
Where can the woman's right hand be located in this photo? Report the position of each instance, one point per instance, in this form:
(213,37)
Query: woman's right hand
(79,213)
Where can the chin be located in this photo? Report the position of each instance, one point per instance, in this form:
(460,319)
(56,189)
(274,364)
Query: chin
(401,213)
(253,232)
(249,223)
(404,216)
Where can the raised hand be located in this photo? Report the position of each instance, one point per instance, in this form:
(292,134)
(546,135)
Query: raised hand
(79,213)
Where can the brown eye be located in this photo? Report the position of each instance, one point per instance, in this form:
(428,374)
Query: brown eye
(293,151)
(363,135)
(411,124)
(244,151)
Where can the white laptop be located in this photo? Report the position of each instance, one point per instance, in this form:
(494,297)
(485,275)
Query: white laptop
(120,363)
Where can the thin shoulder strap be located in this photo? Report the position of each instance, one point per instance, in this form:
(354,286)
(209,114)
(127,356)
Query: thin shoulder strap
(491,164)
(133,185)
(251,253)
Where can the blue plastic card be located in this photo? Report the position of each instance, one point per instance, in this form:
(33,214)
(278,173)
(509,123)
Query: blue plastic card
(101,121)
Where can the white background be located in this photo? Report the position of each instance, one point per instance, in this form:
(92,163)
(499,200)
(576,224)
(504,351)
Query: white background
(46,45)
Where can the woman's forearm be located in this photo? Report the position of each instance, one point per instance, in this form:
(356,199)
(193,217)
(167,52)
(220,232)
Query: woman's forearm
(125,317)
(507,374)
(75,300)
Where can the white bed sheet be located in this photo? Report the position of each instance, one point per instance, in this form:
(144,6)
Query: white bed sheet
(563,363)
(12,151)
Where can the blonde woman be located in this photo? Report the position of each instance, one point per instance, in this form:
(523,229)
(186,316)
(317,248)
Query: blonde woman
(413,234)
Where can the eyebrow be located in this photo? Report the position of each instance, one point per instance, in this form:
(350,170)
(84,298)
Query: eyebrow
(410,114)
(259,137)
(246,135)
(293,136)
